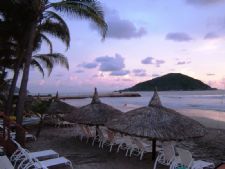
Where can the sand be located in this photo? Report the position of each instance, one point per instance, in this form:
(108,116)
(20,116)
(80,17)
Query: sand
(83,156)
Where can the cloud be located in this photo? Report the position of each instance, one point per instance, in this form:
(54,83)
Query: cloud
(210,74)
(120,73)
(148,60)
(155,75)
(98,75)
(119,28)
(159,63)
(178,37)
(108,63)
(88,65)
(127,80)
(139,72)
(203,2)
(211,35)
(151,60)
(79,71)
(183,62)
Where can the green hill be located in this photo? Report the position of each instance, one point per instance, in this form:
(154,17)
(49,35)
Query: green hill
(171,81)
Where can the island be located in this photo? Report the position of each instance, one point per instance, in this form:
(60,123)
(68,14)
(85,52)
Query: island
(171,82)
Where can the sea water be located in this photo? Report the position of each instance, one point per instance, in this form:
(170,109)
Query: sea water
(208,107)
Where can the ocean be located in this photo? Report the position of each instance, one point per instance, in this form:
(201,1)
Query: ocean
(207,107)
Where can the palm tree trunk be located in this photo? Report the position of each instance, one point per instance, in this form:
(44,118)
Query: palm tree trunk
(12,87)
(27,55)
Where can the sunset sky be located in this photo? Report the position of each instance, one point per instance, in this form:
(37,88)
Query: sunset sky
(146,39)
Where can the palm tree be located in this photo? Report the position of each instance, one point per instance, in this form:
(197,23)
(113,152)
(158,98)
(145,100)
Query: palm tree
(28,15)
(39,9)
(4,87)
(53,26)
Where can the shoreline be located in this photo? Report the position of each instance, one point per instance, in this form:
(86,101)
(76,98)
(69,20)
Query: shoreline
(68,97)
(208,118)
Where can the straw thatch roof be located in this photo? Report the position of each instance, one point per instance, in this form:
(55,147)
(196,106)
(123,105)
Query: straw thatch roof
(157,122)
(96,113)
(59,107)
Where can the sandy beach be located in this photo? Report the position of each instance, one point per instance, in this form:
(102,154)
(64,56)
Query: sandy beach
(84,156)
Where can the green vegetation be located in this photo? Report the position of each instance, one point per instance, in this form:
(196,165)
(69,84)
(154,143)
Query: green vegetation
(171,81)
(40,107)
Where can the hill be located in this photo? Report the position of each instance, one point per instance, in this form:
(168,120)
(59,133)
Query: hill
(171,81)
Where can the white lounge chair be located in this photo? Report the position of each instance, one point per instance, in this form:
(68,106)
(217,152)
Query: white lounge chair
(78,132)
(139,148)
(28,136)
(127,144)
(29,160)
(48,163)
(5,163)
(185,159)
(86,132)
(44,154)
(34,163)
(110,139)
(21,153)
(90,132)
(99,138)
(166,155)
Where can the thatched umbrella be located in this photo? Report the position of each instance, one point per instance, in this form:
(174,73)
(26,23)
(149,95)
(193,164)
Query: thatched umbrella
(156,123)
(96,113)
(60,107)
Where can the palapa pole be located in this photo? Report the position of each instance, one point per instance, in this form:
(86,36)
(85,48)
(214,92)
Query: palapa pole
(96,100)
(155,101)
(153,149)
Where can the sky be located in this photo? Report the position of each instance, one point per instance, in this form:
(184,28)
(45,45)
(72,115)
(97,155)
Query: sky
(145,39)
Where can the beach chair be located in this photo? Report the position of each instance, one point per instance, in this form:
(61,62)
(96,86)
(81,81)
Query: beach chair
(185,160)
(84,133)
(44,154)
(28,136)
(30,160)
(89,133)
(78,132)
(166,155)
(99,138)
(5,163)
(126,145)
(31,163)
(21,154)
(67,124)
(138,147)
(111,139)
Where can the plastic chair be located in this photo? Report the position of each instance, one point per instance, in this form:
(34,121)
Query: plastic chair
(185,160)
(167,155)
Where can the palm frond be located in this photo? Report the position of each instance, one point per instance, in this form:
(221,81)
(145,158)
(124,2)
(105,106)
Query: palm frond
(57,30)
(85,9)
(45,38)
(60,59)
(50,15)
(49,60)
(37,42)
(45,61)
(36,64)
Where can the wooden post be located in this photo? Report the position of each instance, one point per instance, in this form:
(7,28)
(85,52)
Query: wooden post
(97,127)
(153,149)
